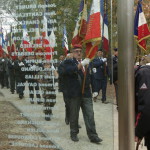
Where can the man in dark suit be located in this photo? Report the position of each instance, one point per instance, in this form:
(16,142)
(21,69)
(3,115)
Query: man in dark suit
(100,75)
(75,71)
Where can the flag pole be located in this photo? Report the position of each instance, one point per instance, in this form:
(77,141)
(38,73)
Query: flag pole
(126,74)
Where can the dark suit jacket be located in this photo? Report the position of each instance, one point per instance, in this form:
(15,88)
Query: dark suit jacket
(73,80)
(101,69)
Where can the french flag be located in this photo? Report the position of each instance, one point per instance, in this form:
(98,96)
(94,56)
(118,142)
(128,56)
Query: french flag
(26,40)
(141,30)
(105,34)
(94,29)
(77,39)
(65,41)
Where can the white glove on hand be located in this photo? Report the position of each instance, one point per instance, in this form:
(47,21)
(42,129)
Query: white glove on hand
(33,67)
(85,62)
(13,64)
(94,70)
(3,60)
(104,59)
(95,94)
(21,64)
(52,67)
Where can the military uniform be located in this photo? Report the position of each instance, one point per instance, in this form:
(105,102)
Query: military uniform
(20,77)
(99,77)
(11,75)
(142,97)
(49,94)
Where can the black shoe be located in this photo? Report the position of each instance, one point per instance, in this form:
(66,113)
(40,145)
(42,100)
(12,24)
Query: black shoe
(67,121)
(104,102)
(96,139)
(32,102)
(12,92)
(39,102)
(74,138)
(20,96)
(79,126)
(94,99)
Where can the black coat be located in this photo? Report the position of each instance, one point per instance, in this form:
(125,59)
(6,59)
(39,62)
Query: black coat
(142,97)
(73,79)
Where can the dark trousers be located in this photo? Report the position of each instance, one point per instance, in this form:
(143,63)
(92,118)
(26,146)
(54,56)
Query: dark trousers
(116,91)
(12,82)
(20,89)
(100,84)
(86,105)
(32,88)
(2,78)
(66,100)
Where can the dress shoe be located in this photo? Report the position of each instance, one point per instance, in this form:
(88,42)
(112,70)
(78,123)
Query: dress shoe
(47,117)
(20,96)
(32,102)
(104,102)
(67,121)
(39,102)
(94,99)
(74,138)
(96,139)
(79,126)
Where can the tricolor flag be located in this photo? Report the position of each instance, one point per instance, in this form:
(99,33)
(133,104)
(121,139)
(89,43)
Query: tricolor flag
(141,30)
(26,40)
(65,41)
(94,29)
(105,34)
(46,42)
(38,39)
(81,24)
(3,44)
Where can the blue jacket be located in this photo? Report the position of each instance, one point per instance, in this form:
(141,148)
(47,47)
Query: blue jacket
(99,69)
(73,80)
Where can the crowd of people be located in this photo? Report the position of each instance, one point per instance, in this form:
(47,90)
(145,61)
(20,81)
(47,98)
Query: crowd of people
(80,81)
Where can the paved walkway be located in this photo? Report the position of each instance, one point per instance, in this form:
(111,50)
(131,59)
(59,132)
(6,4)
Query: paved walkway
(104,114)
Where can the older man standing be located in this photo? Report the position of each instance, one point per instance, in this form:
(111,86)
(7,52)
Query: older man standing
(75,70)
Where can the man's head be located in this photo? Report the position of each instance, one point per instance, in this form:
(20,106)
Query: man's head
(61,58)
(116,51)
(77,51)
(100,53)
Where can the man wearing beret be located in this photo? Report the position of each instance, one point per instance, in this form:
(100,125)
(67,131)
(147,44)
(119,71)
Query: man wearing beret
(75,70)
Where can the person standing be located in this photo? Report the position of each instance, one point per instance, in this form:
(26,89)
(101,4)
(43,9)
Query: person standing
(100,75)
(142,101)
(115,73)
(75,71)
(20,76)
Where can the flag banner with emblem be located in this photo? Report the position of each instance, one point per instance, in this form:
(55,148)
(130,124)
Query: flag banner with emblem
(94,29)
(26,45)
(105,34)
(81,25)
(141,30)
(65,41)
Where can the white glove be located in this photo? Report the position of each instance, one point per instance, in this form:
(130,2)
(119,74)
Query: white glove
(33,67)
(3,60)
(13,64)
(95,94)
(85,62)
(21,64)
(94,70)
(52,67)
(104,59)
